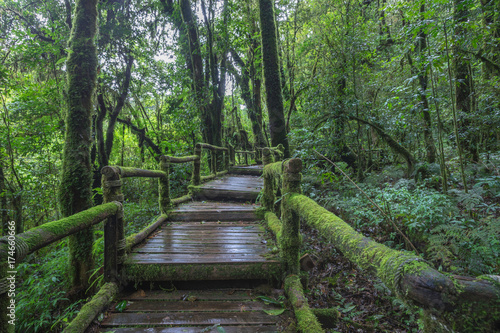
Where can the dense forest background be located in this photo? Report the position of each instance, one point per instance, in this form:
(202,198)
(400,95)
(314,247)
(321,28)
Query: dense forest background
(403,97)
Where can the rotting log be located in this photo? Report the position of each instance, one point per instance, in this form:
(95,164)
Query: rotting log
(41,236)
(135,239)
(306,320)
(90,310)
(460,303)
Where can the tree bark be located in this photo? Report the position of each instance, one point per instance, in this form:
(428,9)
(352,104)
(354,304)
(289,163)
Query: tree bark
(274,97)
(423,80)
(75,193)
(463,89)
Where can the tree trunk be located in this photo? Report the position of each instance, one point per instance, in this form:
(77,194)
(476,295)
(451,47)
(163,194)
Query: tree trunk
(4,218)
(395,146)
(463,89)
(274,97)
(423,81)
(75,193)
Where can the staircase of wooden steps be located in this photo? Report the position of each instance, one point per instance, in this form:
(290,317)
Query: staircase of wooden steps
(202,241)
(220,310)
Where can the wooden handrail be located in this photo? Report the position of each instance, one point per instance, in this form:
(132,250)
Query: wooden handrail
(48,233)
(460,303)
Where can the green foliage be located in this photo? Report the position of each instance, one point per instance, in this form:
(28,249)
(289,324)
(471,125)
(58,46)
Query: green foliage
(42,303)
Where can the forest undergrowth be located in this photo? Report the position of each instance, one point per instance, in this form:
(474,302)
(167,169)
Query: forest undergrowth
(457,232)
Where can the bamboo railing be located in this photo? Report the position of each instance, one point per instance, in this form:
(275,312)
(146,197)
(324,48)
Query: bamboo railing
(449,302)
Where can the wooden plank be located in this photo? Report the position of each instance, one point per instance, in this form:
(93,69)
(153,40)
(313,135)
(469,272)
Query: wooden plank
(212,228)
(215,246)
(212,235)
(213,194)
(183,258)
(212,216)
(208,241)
(196,329)
(200,250)
(201,295)
(183,318)
(195,306)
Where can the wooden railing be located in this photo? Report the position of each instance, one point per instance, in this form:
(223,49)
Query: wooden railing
(461,304)
(14,248)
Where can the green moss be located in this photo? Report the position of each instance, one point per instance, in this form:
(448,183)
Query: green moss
(306,320)
(164,187)
(219,271)
(90,310)
(49,232)
(274,223)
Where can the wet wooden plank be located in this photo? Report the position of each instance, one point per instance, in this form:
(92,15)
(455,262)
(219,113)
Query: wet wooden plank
(207,241)
(200,250)
(195,306)
(214,194)
(185,258)
(215,246)
(201,295)
(216,205)
(212,215)
(182,318)
(208,236)
(197,329)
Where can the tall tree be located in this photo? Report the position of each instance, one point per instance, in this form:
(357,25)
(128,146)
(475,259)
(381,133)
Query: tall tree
(423,81)
(75,193)
(463,81)
(274,96)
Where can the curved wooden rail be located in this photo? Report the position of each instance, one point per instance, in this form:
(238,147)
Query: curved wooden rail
(460,303)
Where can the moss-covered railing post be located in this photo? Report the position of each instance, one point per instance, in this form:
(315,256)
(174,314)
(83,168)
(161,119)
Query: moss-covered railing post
(232,155)
(112,191)
(290,239)
(267,156)
(227,162)
(196,178)
(164,186)
(213,161)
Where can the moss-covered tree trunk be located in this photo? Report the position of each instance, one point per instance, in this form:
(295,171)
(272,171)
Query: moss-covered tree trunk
(274,97)
(75,193)
(423,80)
(463,82)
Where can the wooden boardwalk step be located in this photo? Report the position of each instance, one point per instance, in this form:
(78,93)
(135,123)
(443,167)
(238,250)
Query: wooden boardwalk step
(191,311)
(198,329)
(254,170)
(231,188)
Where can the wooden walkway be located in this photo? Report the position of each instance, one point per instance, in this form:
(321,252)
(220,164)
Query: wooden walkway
(202,240)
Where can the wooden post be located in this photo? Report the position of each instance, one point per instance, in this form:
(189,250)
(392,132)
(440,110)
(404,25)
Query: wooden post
(232,157)
(196,178)
(164,186)
(267,157)
(112,191)
(110,250)
(213,156)
(290,240)
(246,158)
(227,162)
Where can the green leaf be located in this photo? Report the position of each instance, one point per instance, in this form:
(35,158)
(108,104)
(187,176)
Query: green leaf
(268,300)
(274,312)
(120,307)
